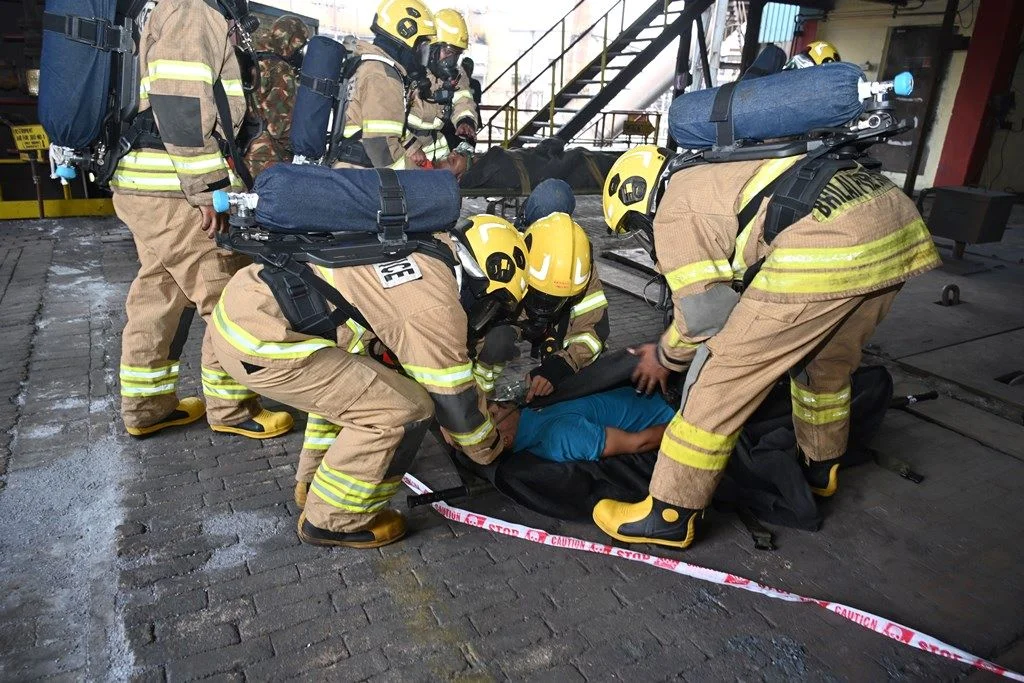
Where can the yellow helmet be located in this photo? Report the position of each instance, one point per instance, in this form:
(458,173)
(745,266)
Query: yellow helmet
(407,21)
(493,257)
(451,29)
(818,52)
(558,256)
(631,187)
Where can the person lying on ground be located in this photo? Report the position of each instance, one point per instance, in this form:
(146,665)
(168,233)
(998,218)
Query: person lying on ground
(611,423)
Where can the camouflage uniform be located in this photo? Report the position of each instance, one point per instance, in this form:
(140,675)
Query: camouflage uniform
(275,96)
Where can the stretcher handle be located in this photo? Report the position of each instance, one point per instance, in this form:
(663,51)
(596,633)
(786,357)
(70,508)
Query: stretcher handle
(904,401)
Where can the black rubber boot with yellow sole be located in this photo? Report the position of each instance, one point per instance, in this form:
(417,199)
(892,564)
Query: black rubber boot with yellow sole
(189,410)
(822,476)
(300,493)
(266,425)
(649,521)
(387,527)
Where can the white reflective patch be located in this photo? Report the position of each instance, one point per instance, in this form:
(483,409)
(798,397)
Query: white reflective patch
(542,274)
(397,272)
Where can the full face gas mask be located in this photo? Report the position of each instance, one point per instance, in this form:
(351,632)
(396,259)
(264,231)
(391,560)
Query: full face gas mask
(483,309)
(443,61)
(542,314)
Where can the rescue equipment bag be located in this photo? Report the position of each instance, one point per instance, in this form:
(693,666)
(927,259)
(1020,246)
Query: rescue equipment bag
(785,104)
(315,99)
(289,198)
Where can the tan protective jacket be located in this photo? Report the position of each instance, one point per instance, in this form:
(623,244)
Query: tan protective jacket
(426,119)
(183,51)
(377,108)
(420,321)
(863,235)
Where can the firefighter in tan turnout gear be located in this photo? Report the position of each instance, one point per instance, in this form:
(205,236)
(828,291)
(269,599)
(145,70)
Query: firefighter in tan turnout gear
(375,132)
(162,191)
(815,293)
(412,309)
(443,99)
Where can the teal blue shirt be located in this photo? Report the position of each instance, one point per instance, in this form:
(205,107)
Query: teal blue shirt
(574,430)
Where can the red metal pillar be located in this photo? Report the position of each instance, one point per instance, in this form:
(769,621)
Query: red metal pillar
(808,34)
(988,69)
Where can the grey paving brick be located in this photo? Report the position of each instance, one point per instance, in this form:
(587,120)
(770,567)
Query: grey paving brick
(233,658)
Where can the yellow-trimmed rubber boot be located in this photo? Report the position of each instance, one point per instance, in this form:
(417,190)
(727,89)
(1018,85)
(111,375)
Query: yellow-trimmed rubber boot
(822,476)
(649,521)
(300,493)
(189,410)
(266,425)
(387,527)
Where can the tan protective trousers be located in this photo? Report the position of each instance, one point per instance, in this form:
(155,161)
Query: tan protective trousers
(180,270)
(383,416)
(818,343)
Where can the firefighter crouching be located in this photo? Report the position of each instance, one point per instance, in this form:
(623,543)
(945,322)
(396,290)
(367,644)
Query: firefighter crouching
(815,294)
(375,416)
(163,192)
(565,311)
(374,133)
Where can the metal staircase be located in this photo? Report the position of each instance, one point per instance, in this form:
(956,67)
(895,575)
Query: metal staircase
(574,105)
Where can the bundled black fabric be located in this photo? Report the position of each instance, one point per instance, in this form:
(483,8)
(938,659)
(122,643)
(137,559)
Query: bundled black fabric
(305,199)
(520,170)
(763,475)
(316,96)
(74,75)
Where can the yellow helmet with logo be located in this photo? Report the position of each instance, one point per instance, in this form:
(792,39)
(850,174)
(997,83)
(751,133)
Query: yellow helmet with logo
(493,257)
(451,29)
(558,256)
(631,188)
(407,21)
(818,52)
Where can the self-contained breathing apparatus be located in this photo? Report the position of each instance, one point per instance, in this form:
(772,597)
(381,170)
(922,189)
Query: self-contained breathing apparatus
(91,49)
(287,253)
(791,195)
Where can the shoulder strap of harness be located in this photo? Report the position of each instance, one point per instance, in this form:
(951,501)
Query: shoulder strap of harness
(220,96)
(797,189)
(303,297)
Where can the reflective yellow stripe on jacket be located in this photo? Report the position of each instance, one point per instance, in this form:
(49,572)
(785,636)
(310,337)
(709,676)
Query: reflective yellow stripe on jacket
(589,303)
(251,346)
(835,270)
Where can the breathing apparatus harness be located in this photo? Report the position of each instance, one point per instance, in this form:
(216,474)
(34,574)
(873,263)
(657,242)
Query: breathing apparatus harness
(303,296)
(791,195)
(124,129)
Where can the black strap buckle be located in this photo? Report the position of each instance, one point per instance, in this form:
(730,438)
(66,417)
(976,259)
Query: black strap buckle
(393,216)
(97,33)
(324,87)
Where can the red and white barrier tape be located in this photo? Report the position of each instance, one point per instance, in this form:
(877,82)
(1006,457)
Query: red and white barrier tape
(872,622)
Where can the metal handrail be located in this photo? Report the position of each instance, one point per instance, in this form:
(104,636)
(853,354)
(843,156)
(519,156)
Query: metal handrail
(561,56)
(535,44)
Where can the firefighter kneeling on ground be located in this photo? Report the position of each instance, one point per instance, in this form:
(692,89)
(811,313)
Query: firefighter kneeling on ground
(814,295)
(414,310)
(565,312)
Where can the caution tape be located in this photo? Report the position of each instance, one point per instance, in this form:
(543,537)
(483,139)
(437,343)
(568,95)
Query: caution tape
(872,622)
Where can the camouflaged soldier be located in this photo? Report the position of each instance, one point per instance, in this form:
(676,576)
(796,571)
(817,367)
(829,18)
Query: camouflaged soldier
(280,53)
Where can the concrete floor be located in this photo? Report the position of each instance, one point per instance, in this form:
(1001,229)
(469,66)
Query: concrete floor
(175,558)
